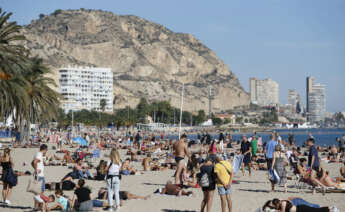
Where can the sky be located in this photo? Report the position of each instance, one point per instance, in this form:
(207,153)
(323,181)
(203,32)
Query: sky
(285,40)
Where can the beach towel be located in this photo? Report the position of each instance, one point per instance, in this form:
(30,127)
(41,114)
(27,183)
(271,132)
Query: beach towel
(236,163)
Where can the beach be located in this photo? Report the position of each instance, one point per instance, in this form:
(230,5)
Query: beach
(250,194)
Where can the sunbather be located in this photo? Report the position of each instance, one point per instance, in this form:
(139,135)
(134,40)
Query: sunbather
(173,189)
(328,181)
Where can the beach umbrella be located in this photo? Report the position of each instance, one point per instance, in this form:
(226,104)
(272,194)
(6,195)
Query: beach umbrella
(80,140)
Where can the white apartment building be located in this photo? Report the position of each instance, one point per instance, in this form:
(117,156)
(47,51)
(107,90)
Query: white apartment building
(264,92)
(84,87)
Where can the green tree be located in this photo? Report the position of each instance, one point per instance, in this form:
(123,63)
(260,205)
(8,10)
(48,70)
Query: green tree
(217,121)
(42,99)
(13,60)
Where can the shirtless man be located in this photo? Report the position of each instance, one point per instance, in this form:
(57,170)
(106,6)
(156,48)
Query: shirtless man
(173,189)
(180,150)
(146,163)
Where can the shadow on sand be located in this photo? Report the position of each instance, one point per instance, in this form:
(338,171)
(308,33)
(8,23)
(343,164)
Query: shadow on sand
(172,210)
(3,205)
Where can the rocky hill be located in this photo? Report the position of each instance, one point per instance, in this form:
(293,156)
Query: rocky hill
(147,59)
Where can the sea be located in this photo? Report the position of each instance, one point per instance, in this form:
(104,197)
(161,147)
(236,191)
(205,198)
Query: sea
(323,137)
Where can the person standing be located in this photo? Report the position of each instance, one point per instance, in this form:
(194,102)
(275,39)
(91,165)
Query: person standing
(7,170)
(254,144)
(113,179)
(246,150)
(313,162)
(38,164)
(224,174)
(269,150)
(181,150)
(208,169)
(342,145)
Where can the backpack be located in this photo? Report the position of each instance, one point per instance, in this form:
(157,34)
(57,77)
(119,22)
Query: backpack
(203,180)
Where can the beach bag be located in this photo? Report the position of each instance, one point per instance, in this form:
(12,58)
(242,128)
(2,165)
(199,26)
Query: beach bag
(34,186)
(274,177)
(203,180)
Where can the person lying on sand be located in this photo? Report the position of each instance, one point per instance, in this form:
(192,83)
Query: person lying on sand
(328,181)
(295,205)
(173,189)
(124,195)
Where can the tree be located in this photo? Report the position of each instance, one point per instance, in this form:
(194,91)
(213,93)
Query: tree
(143,109)
(217,121)
(42,99)
(13,60)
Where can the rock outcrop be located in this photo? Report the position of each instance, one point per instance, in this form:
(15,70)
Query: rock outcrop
(147,59)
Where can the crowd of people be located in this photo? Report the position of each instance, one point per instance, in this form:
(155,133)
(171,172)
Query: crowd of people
(212,163)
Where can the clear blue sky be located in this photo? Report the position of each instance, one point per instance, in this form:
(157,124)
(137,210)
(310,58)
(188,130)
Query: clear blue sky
(285,40)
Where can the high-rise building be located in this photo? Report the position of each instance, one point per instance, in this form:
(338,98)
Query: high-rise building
(309,90)
(264,92)
(252,89)
(84,88)
(294,100)
(317,103)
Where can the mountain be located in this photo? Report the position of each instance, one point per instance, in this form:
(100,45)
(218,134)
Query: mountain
(147,59)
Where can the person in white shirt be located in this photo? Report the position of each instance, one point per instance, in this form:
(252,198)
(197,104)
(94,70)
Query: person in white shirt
(38,164)
(113,179)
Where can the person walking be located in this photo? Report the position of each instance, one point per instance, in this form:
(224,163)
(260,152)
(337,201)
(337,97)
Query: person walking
(208,191)
(224,174)
(278,164)
(7,172)
(113,179)
(38,165)
(269,150)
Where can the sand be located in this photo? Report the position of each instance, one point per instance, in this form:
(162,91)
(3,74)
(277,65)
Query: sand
(250,194)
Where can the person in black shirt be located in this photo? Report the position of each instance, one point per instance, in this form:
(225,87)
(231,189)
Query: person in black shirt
(83,196)
(246,149)
(208,191)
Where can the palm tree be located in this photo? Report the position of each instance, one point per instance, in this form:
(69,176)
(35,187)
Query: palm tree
(43,101)
(13,60)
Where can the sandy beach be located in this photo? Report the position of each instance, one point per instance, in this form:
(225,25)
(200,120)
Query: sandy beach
(250,194)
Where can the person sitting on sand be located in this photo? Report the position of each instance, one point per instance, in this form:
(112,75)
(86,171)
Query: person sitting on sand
(67,158)
(126,169)
(333,155)
(302,206)
(174,189)
(63,203)
(124,195)
(80,170)
(146,162)
(100,170)
(303,171)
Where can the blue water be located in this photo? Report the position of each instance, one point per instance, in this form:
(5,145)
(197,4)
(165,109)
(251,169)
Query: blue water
(323,137)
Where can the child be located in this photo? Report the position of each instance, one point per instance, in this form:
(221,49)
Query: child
(62,202)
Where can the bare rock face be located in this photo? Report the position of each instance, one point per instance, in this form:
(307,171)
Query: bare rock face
(147,59)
